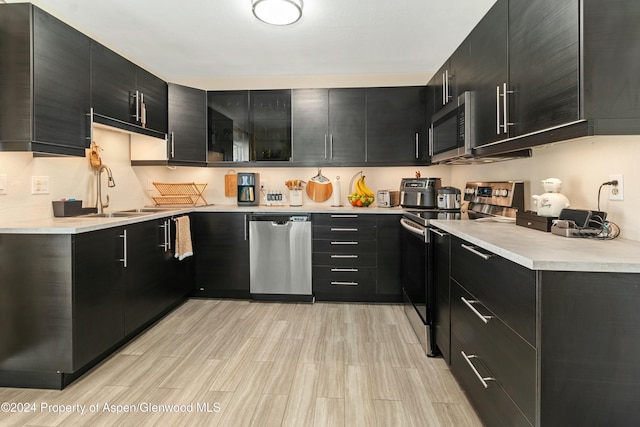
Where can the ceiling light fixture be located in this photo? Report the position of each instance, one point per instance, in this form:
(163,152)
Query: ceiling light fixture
(277,12)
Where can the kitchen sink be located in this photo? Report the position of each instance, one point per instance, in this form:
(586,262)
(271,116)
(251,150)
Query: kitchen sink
(112,215)
(146,210)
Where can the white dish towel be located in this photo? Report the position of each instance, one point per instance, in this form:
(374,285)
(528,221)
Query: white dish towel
(184,247)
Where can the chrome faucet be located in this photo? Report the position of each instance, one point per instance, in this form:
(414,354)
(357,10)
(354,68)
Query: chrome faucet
(110,183)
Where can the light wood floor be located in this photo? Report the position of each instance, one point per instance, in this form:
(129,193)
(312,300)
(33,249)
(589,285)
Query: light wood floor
(241,363)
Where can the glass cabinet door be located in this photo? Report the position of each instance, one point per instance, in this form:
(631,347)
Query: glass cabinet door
(229,133)
(271,125)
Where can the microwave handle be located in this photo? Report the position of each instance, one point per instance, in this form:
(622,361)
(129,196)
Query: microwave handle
(431,141)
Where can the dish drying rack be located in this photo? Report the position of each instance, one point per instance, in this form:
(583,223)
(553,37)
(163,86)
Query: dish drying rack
(179,194)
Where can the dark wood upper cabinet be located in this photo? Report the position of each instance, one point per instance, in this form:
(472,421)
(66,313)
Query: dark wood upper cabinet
(187,124)
(270,116)
(310,124)
(329,126)
(44,89)
(126,96)
(396,125)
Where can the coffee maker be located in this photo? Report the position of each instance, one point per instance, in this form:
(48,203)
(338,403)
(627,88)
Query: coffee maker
(248,189)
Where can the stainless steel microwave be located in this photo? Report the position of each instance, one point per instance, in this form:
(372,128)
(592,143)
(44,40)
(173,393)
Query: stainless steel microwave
(452,131)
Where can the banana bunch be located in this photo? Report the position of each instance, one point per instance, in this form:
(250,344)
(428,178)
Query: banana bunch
(362,189)
(362,196)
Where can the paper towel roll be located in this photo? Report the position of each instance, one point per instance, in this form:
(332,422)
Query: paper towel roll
(336,197)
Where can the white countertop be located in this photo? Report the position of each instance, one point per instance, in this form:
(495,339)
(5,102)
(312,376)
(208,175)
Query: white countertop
(538,250)
(84,224)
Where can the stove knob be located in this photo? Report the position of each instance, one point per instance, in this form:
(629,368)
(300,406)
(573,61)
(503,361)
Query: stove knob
(504,193)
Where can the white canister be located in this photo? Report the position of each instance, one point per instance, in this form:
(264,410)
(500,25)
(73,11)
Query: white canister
(295,197)
(336,198)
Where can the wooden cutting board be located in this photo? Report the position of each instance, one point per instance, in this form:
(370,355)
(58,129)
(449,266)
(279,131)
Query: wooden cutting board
(231,184)
(319,191)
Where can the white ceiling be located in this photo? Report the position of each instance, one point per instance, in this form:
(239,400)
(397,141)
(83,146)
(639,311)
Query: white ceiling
(198,39)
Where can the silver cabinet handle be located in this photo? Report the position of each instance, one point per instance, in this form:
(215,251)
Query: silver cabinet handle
(165,239)
(443,90)
(172,145)
(90,137)
(469,303)
(143,111)
(246,234)
(343,216)
(482,379)
(438,232)
(325,146)
(124,258)
(417,145)
(344,270)
(331,147)
(475,251)
(344,243)
(344,256)
(137,114)
(344,229)
(446,86)
(344,283)
(498,124)
(504,107)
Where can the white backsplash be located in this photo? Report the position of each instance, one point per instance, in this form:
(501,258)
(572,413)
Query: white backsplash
(581,165)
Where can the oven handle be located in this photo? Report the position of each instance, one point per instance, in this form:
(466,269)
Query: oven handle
(411,226)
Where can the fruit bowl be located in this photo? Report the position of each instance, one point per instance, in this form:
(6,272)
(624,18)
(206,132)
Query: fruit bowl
(360,201)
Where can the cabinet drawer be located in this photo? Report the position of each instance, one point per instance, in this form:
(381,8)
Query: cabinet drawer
(344,220)
(344,259)
(341,232)
(504,287)
(342,246)
(494,349)
(344,280)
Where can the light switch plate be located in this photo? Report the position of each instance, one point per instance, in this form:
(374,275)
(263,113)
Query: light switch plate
(3,184)
(39,185)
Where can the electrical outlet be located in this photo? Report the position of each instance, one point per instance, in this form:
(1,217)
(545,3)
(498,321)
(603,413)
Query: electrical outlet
(150,186)
(39,185)
(3,184)
(616,192)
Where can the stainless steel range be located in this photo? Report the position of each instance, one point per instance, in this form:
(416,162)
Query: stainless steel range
(499,200)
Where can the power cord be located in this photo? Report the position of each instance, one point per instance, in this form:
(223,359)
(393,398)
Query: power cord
(614,182)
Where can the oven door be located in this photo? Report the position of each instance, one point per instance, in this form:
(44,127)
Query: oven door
(415,262)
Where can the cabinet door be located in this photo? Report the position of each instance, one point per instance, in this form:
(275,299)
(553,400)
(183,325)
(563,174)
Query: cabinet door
(61,79)
(270,116)
(98,294)
(543,64)
(187,123)
(221,255)
(113,83)
(310,124)
(388,257)
(228,133)
(154,93)
(347,125)
(489,56)
(442,315)
(145,291)
(396,125)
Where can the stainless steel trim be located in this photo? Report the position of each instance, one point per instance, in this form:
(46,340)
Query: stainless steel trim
(343,216)
(345,283)
(344,256)
(344,243)
(344,270)
(343,229)
(124,259)
(473,250)
(482,379)
(469,303)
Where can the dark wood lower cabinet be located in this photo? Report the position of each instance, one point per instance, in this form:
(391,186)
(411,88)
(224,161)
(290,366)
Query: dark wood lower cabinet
(221,255)
(67,301)
(569,357)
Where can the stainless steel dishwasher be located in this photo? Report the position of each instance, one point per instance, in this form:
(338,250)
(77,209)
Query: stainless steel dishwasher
(280,256)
